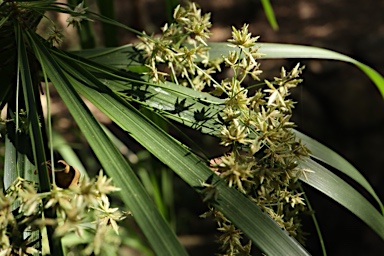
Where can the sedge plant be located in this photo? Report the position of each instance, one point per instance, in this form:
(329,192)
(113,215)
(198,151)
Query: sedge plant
(254,190)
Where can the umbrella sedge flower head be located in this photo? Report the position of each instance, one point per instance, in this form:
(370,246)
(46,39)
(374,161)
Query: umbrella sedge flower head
(242,38)
(173,55)
(264,151)
(79,207)
(254,121)
(78,15)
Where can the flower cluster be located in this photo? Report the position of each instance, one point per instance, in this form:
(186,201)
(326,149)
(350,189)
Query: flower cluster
(264,155)
(262,162)
(78,15)
(79,209)
(178,48)
(55,36)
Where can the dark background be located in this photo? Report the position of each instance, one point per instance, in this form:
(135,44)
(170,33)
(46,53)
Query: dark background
(338,104)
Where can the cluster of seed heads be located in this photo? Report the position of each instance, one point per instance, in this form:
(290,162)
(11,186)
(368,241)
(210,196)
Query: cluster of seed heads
(81,209)
(262,162)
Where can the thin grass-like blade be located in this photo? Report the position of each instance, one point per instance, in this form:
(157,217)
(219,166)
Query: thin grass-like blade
(31,101)
(187,118)
(337,189)
(4,19)
(106,9)
(38,143)
(7,70)
(283,51)
(290,52)
(327,155)
(118,57)
(268,10)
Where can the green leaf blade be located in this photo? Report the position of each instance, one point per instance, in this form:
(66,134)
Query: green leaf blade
(32,99)
(268,10)
(328,156)
(337,189)
(282,51)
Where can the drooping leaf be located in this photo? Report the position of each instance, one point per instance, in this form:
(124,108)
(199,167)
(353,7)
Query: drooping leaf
(120,56)
(284,51)
(36,165)
(328,156)
(340,191)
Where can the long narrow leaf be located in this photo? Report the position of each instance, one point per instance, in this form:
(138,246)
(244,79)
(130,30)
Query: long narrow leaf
(164,101)
(268,10)
(317,149)
(30,97)
(4,19)
(133,194)
(114,73)
(337,189)
(8,60)
(281,51)
(327,155)
(38,143)
(10,160)
(106,9)
(216,51)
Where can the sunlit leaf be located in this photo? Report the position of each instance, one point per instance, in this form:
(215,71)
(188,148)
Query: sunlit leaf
(284,51)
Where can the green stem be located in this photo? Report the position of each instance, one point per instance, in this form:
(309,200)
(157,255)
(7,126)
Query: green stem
(318,231)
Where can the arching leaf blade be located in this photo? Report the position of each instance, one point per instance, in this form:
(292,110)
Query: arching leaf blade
(283,51)
(328,156)
(340,191)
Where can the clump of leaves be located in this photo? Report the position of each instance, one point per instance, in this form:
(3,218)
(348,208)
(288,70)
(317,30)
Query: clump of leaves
(80,209)
(262,162)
